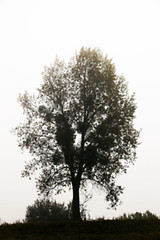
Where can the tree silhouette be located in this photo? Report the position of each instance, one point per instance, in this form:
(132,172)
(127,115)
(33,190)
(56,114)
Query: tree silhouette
(79,128)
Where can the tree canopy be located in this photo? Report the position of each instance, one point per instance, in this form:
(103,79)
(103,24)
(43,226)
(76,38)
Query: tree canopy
(79,127)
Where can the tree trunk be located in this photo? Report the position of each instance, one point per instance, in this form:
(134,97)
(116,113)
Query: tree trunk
(76,216)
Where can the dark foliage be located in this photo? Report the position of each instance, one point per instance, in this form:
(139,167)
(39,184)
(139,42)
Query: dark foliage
(47,211)
(138,216)
(79,128)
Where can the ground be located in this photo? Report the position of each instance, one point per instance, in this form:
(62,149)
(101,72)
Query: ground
(88,230)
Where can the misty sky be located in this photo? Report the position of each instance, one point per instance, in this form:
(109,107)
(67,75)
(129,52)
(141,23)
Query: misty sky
(32,33)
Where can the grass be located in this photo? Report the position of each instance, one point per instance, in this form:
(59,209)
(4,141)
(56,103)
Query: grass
(89,230)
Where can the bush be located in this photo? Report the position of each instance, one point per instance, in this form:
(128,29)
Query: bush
(138,216)
(47,211)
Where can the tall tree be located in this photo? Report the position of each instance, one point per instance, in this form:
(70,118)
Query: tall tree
(79,128)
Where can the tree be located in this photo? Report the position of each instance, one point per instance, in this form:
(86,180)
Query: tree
(47,211)
(79,128)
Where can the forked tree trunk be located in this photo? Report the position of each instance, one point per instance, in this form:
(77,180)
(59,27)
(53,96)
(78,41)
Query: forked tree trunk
(76,216)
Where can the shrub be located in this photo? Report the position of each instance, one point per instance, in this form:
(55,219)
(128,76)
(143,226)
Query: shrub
(47,211)
(138,216)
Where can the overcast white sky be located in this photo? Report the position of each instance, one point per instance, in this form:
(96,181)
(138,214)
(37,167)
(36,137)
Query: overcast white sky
(32,32)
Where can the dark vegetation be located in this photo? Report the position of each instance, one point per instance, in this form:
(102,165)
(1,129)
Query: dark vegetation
(87,230)
(47,211)
(79,128)
(37,226)
(138,216)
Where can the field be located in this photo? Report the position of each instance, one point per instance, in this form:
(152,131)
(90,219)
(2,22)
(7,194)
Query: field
(88,230)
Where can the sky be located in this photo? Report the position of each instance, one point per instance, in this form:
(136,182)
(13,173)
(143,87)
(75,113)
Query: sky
(32,33)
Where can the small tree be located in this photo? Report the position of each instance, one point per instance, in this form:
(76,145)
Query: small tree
(79,128)
(47,211)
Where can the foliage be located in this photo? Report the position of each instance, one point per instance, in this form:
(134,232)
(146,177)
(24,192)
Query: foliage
(47,211)
(79,128)
(138,216)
